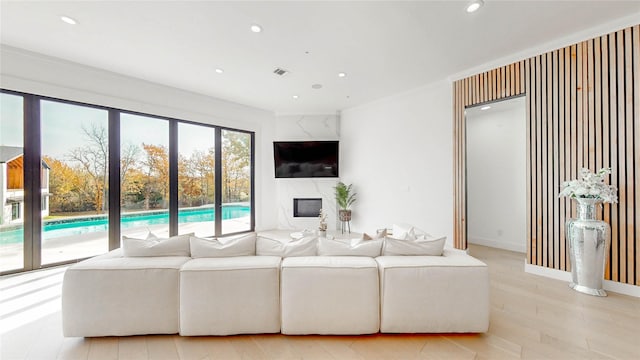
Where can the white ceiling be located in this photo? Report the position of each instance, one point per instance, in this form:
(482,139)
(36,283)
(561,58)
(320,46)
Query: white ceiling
(384,47)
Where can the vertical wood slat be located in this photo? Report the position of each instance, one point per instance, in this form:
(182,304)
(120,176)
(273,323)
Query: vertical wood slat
(545,148)
(629,159)
(622,188)
(579,107)
(574,128)
(636,120)
(583,111)
(529,160)
(556,160)
(562,218)
(636,135)
(456,167)
(613,150)
(539,158)
(604,48)
(591,146)
(597,90)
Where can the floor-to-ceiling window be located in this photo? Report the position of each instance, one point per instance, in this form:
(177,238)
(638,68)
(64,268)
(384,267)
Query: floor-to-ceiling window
(163,174)
(11,183)
(236,181)
(74,181)
(196,179)
(144,175)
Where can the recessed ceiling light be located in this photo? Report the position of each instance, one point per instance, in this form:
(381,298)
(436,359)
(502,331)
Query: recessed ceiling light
(487,107)
(219,71)
(256,28)
(295,96)
(474,5)
(68,20)
(341,74)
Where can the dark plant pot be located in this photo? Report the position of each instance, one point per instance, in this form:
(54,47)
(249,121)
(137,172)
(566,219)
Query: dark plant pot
(345,215)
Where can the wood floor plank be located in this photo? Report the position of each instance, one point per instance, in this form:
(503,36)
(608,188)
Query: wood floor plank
(162,347)
(275,346)
(247,348)
(441,348)
(309,347)
(74,349)
(220,348)
(133,348)
(105,348)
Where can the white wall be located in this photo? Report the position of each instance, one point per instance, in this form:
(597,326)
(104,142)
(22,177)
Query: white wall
(303,128)
(397,152)
(496,175)
(39,74)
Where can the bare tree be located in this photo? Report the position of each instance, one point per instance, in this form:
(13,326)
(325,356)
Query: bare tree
(94,159)
(128,157)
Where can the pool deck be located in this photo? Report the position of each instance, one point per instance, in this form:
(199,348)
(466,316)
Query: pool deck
(67,248)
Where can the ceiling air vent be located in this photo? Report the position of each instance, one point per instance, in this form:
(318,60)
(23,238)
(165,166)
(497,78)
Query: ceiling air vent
(280,72)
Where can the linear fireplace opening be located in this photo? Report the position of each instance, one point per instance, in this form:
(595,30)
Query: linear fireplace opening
(307,207)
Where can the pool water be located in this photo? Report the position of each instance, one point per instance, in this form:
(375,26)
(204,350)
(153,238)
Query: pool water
(67,227)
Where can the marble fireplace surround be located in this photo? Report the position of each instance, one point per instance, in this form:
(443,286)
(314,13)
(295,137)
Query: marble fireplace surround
(306,128)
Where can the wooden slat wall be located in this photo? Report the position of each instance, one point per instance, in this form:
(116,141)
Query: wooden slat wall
(583,110)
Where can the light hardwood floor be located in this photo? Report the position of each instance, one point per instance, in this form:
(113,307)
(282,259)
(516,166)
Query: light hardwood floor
(532,317)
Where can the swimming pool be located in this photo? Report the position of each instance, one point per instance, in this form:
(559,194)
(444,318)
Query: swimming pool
(67,227)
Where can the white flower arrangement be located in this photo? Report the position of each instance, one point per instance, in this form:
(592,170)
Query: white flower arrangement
(591,186)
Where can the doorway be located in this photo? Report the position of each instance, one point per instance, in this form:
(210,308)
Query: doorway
(496,174)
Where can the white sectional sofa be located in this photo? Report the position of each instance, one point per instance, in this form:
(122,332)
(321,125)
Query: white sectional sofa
(117,294)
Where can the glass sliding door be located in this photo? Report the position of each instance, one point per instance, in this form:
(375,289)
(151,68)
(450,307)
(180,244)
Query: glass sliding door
(236,181)
(74,181)
(144,176)
(11,183)
(196,180)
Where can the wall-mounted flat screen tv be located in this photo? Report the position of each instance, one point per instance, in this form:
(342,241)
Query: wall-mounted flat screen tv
(305,159)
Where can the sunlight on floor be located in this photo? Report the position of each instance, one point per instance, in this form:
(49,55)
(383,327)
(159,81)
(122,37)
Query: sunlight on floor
(25,298)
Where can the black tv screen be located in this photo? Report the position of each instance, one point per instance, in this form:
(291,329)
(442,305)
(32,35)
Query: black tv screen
(305,159)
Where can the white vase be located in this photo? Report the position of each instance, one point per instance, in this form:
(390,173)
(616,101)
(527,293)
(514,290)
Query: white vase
(589,240)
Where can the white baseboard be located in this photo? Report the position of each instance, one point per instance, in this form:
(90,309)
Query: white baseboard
(498,244)
(608,285)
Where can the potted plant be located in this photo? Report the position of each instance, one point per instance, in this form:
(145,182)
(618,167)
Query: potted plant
(345,198)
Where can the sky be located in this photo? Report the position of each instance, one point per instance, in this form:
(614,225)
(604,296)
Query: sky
(62,128)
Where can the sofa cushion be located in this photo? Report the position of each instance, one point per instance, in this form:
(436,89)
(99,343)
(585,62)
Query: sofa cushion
(243,245)
(306,246)
(227,296)
(433,294)
(111,295)
(354,247)
(154,246)
(336,295)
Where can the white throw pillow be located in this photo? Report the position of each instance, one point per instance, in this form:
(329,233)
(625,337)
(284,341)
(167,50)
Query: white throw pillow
(154,246)
(244,245)
(355,247)
(425,246)
(305,246)
(403,231)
